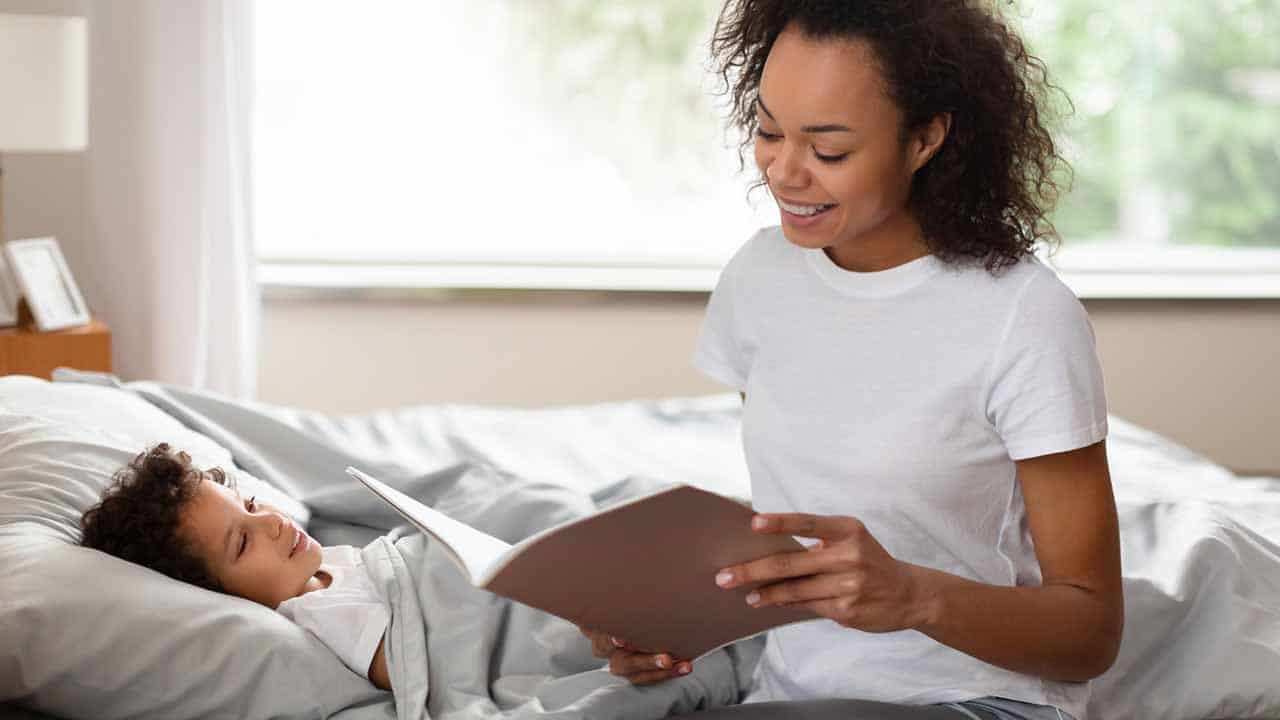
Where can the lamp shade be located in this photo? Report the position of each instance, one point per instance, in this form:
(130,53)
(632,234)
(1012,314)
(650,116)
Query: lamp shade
(43,83)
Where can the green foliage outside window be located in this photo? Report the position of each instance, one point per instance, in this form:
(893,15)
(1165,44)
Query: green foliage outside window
(1173,129)
(1176,129)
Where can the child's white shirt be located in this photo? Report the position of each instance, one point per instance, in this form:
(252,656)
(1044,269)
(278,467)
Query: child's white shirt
(902,398)
(349,616)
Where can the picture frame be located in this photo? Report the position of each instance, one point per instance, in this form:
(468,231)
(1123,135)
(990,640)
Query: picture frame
(45,280)
(9,295)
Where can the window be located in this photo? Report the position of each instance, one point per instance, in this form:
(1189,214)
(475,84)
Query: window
(495,134)
(509,142)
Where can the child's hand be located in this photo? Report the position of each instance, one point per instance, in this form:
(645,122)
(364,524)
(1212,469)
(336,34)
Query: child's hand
(638,666)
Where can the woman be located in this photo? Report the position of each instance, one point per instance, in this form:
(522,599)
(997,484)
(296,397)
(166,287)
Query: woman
(922,397)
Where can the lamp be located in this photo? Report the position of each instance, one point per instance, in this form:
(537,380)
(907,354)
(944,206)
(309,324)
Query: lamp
(43,86)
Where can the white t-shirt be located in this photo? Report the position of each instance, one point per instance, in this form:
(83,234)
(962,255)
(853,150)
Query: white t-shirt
(902,398)
(349,616)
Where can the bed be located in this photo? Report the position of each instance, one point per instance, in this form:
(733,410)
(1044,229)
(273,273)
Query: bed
(85,635)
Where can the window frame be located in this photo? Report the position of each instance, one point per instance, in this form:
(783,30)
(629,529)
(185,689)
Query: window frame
(1093,273)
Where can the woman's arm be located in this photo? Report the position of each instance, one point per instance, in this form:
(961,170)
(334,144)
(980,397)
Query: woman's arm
(1066,629)
(1069,628)
(378,667)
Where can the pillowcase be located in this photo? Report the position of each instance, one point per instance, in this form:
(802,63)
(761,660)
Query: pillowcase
(83,634)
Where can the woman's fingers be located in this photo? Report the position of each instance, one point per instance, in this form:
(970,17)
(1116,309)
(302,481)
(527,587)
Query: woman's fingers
(826,527)
(651,677)
(602,644)
(820,587)
(642,666)
(628,663)
(845,541)
(786,565)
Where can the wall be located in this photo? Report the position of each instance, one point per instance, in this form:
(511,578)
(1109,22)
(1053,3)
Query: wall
(1205,373)
(44,193)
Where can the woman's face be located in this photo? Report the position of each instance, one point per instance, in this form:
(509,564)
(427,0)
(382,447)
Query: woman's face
(830,146)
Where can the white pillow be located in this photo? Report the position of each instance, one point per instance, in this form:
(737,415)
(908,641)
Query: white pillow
(83,634)
(112,419)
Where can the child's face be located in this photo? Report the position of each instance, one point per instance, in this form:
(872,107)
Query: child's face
(254,550)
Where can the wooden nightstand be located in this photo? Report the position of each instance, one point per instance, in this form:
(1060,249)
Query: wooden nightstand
(23,351)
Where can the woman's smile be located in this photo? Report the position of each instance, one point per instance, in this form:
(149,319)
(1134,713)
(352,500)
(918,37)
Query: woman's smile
(801,214)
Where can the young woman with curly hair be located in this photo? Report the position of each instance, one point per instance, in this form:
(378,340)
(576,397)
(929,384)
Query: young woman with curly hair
(922,397)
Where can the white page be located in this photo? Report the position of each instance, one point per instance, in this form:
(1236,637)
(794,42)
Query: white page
(475,552)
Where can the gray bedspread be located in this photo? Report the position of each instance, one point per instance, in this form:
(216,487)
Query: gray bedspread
(481,656)
(1200,546)
(455,651)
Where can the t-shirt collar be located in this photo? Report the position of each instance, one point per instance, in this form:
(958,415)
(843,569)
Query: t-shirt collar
(883,283)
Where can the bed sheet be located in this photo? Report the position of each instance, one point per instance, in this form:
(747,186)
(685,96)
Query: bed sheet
(1200,545)
(1201,559)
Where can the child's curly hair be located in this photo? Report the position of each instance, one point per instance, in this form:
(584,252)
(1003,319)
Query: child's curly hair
(139,515)
(986,196)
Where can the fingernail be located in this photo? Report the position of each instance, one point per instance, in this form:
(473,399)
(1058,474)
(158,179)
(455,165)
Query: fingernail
(664,662)
(724,578)
(683,669)
(759,523)
(616,642)
(753,598)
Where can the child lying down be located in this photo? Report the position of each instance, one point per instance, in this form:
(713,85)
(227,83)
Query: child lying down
(374,606)
(194,525)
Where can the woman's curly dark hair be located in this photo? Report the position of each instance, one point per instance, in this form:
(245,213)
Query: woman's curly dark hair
(986,195)
(139,515)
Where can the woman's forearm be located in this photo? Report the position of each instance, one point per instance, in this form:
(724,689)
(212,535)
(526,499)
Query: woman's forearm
(1060,632)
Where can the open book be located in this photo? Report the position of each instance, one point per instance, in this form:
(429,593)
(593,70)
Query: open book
(643,570)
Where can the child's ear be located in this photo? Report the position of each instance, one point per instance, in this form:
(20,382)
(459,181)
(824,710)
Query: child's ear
(219,476)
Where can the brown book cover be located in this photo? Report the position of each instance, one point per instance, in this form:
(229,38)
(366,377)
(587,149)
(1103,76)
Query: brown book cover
(643,570)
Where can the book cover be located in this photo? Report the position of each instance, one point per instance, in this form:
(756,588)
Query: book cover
(643,570)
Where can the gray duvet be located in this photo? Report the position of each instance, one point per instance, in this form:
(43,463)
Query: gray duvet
(458,652)
(1200,550)
(453,651)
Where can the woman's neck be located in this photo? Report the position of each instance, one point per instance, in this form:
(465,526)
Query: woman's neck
(896,241)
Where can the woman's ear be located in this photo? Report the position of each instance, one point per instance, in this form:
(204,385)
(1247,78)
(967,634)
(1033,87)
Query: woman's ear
(926,141)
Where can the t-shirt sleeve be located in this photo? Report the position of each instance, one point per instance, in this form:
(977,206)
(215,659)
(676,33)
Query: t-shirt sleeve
(1045,389)
(721,352)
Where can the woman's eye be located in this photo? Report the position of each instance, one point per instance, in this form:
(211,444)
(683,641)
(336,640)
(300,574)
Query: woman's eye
(830,158)
(251,504)
(760,133)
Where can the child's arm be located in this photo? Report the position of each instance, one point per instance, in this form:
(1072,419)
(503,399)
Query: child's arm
(378,667)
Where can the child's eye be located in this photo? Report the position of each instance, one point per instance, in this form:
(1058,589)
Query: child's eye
(251,504)
(244,541)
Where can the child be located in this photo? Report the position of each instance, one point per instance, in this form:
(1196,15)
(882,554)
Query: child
(192,525)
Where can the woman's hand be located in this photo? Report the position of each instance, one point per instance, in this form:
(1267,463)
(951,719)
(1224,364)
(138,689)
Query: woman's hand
(638,666)
(848,577)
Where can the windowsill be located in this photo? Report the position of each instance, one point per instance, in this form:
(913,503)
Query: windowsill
(353,277)
(1115,274)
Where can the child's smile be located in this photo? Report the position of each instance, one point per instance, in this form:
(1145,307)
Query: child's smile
(254,550)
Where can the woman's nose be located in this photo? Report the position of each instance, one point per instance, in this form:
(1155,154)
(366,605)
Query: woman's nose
(786,169)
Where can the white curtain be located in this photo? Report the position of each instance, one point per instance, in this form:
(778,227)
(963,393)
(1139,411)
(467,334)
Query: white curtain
(169,220)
